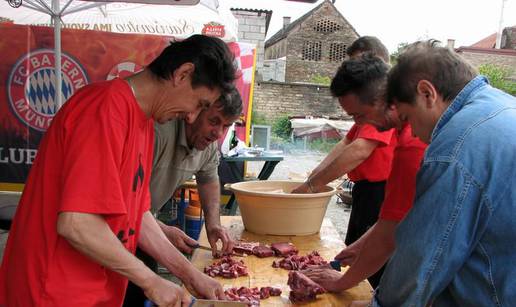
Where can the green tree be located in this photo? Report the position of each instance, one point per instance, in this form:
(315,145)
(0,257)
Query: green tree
(499,77)
(258,118)
(394,56)
(282,127)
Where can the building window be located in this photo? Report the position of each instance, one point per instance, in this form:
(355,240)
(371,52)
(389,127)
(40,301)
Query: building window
(327,26)
(311,51)
(337,52)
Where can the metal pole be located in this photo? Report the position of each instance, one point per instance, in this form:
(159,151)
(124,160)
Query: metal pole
(57,52)
(500,27)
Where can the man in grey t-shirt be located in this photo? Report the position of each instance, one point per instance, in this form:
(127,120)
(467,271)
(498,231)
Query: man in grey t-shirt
(180,151)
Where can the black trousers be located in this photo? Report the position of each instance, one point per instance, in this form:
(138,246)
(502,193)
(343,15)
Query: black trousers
(134,296)
(367,201)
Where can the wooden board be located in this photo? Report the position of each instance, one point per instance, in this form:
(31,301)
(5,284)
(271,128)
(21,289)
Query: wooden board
(261,272)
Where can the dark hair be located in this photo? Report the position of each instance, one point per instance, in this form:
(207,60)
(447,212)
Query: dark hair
(230,103)
(369,44)
(365,77)
(426,60)
(212,59)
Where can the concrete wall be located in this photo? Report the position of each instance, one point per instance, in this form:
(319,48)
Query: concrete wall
(276,99)
(274,70)
(251,29)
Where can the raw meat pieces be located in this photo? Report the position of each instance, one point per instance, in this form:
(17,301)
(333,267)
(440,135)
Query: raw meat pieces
(284,249)
(251,296)
(253,248)
(242,247)
(303,289)
(266,292)
(296,262)
(227,267)
(262,251)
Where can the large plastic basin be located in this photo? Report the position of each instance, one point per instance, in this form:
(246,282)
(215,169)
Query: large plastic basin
(265,210)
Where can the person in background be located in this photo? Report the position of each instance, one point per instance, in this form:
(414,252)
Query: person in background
(369,253)
(85,206)
(182,149)
(455,246)
(365,154)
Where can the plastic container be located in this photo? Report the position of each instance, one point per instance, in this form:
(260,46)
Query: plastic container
(194,198)
(193,210)
(193,226)
(193,222)
(267,207)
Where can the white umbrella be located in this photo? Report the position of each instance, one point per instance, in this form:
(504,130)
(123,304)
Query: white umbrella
(179,21)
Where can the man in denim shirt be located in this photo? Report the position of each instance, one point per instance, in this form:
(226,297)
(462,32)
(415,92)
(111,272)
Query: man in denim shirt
(456,246)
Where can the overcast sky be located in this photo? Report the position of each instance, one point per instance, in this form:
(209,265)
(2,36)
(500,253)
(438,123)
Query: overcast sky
(397,21)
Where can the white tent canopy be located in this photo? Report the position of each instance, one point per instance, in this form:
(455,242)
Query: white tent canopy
(176,19)
(179,21)
(306,126)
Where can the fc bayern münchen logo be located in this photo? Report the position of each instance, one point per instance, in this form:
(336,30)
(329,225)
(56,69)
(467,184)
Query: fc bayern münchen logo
(31,86)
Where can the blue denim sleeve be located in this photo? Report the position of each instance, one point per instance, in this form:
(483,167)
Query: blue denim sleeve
(436,237)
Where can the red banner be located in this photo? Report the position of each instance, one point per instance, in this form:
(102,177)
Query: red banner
(27,83)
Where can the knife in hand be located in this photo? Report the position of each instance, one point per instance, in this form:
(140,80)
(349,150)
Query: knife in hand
(205,303)
(209,249)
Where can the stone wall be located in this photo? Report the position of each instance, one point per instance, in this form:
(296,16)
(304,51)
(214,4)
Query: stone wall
(278,50)
(276,99)
(509,38)
(501,57)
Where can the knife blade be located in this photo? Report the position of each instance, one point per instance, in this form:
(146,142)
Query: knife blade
(214,303)
(209,249)
(205,303)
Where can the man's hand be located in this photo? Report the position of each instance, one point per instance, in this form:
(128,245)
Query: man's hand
(216,233)
(325,277)
(349,255)
(203,286)
(165,293)
(179,239)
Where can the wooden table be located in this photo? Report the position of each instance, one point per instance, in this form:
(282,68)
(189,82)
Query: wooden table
(261,272)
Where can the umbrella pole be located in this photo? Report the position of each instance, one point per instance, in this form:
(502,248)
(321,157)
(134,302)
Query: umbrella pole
(57,52)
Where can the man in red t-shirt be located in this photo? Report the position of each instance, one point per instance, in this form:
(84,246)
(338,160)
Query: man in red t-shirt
(365,154)
(85,206)
(369,253)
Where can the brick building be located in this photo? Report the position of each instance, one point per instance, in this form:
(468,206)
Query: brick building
(313,45)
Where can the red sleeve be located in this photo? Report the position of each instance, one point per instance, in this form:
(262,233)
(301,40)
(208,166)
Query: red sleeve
(352,132)
(400,188)
(369,132)
(98,138)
